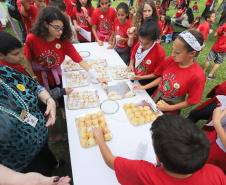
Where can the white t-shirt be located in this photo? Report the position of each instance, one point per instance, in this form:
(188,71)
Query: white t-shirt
(185,22)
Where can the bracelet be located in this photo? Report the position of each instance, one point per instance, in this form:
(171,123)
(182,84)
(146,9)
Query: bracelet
(48,99)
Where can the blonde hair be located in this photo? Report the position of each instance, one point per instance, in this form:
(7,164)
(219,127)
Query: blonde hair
(138,18)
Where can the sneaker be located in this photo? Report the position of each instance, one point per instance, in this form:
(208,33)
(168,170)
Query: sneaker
(211,77)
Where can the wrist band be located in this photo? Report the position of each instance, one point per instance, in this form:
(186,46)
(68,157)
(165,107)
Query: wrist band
(93,74)
(48,99)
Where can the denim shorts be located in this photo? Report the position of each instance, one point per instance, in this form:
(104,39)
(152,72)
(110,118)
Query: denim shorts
(219,57)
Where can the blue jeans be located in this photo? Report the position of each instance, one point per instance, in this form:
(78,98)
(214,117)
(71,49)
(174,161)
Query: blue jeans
(130,3)
(23,30)
(203,114)
(169,38)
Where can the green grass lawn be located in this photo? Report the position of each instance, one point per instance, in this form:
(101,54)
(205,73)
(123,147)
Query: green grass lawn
(61,150)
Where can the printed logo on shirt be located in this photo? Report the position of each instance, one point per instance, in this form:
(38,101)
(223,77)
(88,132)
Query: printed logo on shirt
(82,22)
(117,27)
(20,87)
(148,62)
(101,16)
(58,46)
(105,26)
(49,59)
(169,85)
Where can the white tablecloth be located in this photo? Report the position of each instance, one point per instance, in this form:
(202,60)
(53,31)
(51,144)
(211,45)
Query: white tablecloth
(88,166)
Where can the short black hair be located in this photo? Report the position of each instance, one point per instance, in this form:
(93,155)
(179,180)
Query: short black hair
(208,14)
(195,2)
(58,4)
(125,7)
(158,1)
(199,38)
(8,43)
(180,145)
(48,15)
(150,29)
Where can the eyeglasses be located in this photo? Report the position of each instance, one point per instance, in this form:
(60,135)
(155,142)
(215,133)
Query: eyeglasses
(57,28)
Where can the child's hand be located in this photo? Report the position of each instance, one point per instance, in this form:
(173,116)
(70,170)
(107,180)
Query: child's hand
(130,69)
(68,90)
(164,106)
(138,87)
(111,46)
(100,43)
(130,35)
(85,11)
(77,28)
(120,40)
(218,115)
(136,77)
(98,133)
(102,81)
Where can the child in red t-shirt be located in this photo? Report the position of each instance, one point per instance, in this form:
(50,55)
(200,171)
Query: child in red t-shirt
(146,9)
(81,16)
(32,11)
(162,20)
(131,13)
(168,30)
(119,35)
(179,12)
(217,137)
(180,75)
(217,52)
(195,8)
(204,27)
(181,150)
(102,20)
(147,55)
(46,47)
(159,8)
(195,24)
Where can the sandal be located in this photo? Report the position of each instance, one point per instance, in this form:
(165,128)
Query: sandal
(63,138)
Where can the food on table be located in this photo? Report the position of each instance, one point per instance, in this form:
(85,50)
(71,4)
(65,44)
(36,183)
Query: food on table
(112,94)
(102,72)
(129,94)
(80,99)
(115,97)
(139,114)
(77,78)
(105,86)
(70,65)
(119,72)
(86,122)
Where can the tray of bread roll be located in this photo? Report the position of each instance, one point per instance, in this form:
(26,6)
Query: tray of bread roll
(77,78)
(96,62)
(119,91)
(140,113)
(102,72)
(119,72)
(83,99)
(70,65)
(86,122)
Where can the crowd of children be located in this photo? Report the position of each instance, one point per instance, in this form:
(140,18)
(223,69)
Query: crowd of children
(174,83)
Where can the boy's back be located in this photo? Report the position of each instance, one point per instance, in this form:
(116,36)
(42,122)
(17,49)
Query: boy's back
(220,45)
(204,29)
(135,172)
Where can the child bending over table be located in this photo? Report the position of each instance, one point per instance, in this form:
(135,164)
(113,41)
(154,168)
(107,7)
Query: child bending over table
(181,150)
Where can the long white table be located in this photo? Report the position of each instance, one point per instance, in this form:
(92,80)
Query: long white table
(88,166)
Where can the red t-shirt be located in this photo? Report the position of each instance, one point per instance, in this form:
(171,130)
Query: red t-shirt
(70,9)
(195,7)
(49,54)
(151,62)
(168,30)
(139,172)
(160,27)
(166,4)
(32,16)
(179,13)
(121,31)
(209,2)
(1,28)
(104,21)
(162,24)
(160,13)
(204,29)
(220,45)
(83,23)
(177,82)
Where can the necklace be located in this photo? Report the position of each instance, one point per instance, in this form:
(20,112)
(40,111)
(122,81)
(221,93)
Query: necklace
(21,101)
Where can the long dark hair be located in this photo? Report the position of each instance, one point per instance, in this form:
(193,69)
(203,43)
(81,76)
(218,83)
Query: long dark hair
(125,7)
(167,22)
(48,15)
(78,5)
(190,15)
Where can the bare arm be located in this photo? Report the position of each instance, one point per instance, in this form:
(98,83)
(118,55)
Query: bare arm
(77,28)
(217,117)
(25,4)
(8,176)
(94,27)
(166,107)
(105,151)
(130,68)
(216,34)
(45,97)
(149,76)
(29,68)
(111,40)
(148,86)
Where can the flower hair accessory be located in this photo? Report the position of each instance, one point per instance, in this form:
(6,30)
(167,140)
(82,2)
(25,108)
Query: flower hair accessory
(191,40)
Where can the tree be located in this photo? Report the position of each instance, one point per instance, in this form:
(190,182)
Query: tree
(218,11)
